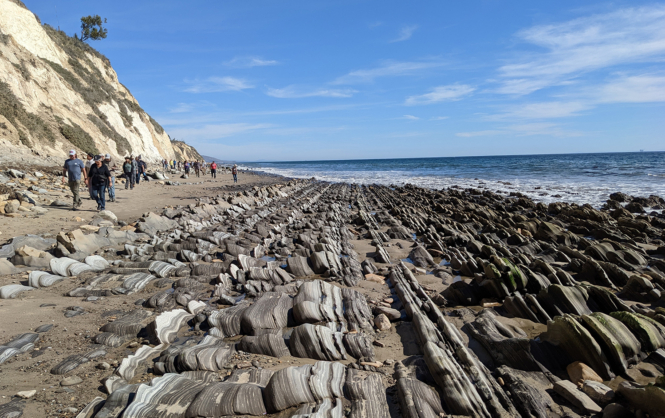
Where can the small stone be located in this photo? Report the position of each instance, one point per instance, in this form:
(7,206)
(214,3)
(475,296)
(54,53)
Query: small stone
(389,362)
(71,381)
(375,278)
(103,366)
(569,390)
(579,372)
(392,314)
(27,394)
(382,322)
(614,410)
(71,410)
(600,393)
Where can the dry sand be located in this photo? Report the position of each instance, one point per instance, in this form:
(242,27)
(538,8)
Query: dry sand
(129,205)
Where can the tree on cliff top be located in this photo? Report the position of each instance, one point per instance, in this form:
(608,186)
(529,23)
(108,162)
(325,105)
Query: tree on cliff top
(91,28)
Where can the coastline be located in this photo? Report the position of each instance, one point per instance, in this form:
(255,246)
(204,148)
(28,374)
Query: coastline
(444,243)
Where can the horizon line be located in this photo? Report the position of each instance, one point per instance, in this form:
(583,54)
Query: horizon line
(458,156)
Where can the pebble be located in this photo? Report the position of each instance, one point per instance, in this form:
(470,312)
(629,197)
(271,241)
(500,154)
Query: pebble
(382,322)
(71,381)
(103,366)
(26,394)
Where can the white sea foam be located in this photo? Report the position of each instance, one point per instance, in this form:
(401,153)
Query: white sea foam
(544,179)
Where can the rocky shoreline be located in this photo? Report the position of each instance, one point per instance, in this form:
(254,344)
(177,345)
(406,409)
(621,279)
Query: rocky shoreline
(304,298)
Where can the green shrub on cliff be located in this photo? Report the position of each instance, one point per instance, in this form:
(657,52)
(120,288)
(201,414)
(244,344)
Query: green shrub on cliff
(79,138)
(121,143)
(13,110)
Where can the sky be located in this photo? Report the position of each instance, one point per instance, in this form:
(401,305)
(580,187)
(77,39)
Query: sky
(321,80)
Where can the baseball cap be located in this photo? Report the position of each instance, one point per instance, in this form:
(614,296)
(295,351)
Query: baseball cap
(107,156)
(72,152)
(98,157)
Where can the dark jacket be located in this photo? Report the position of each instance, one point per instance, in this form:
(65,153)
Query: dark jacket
(99,175)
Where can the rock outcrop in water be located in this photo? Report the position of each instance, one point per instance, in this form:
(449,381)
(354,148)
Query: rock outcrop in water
(285,300)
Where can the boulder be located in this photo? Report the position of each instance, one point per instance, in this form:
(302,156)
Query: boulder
(382,322)
(12,206)
(579,399)
(650,399)
(579,373)
(615,410)
(600,393)
(107,215)
(6,267)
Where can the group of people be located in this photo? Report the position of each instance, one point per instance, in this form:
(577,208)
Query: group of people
(199,167)
(133,169)
(98,174)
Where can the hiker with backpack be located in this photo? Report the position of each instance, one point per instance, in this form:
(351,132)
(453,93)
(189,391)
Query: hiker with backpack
(130,177)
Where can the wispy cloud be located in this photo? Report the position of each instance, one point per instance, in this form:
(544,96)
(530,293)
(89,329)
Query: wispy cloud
(440,94)
(543,110)
(388,69)
(410,117)
(292,92)
(527,129)
(405,33)
(478,133)
(182,108)
(440,118)
(586,44)
(248,62)
(217,84)
(210,132)
(633,89)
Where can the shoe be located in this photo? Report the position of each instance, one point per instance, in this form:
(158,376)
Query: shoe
(99,207)
(75,208)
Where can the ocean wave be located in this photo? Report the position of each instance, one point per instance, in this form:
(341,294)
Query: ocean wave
(574,179)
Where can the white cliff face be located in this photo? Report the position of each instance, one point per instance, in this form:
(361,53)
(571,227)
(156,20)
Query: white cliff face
(58,84)
(28,32)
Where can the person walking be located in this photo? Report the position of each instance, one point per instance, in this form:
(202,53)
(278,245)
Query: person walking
(234,171)
(99,178)
(139,168)
(213,170)
(88,164)
(130,178)
(143,169)
(197,169)
(186,167)
(71,172)
(112,168)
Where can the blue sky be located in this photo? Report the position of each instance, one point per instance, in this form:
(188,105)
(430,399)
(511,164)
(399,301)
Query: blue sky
(308,80)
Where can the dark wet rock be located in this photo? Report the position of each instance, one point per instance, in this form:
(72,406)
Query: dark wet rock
(579,399)
(568,334)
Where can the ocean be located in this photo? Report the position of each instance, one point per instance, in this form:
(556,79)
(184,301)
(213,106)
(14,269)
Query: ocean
(579,178)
